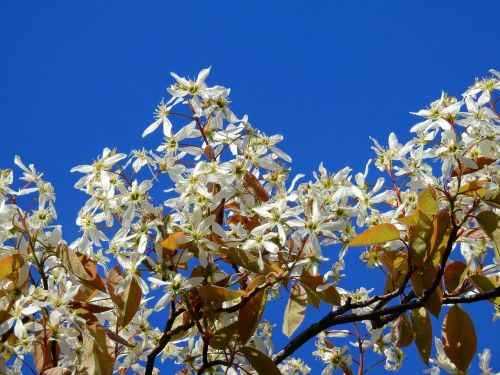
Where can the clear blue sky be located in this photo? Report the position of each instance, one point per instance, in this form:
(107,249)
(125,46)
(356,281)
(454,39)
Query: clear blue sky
(326,74)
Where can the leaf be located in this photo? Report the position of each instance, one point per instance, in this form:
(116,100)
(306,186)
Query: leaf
(253,185)
(459,338)
(57,371)
(249,315)
(43,354)
(174,241)
(129,301)
(378,234)
(250,262)
(295,310)
(440,235)
(116,337)
(260,362)
(221,339)
(486,284)
(329,294)
(97,357)
(481,162)
(90,307)
(401,331)
(81,266)
(71,262)
(427,203)
(420,236)
(9,264)
(422,279)
(453,275)
(218,294)
(490,223)
(422,333)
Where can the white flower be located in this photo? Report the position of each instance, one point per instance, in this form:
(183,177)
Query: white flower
(173,287)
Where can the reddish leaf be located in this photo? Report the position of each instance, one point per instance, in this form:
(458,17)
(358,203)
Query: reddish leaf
(401,332)
(453,275)
(459,338)
(253,185)
(90,307)
(129,301)
(249,315)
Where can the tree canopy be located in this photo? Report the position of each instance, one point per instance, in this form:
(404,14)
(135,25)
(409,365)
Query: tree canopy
(210,227)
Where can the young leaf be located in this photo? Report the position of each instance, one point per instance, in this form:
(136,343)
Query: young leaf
(295,310)
(453,275)
(459,338)
(260,362)
(401,332)
(221,339)
(485,284)
(9,264)
(490,223)
(174,241)
(97,357)
(249,315)
(218,294)
(253,185)
(326,293)
(250,262)
(426,202)
(71,262)
(378,234)
(129,301)
(422,331)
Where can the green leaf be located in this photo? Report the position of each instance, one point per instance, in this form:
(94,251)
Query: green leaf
(401,332)
(9,264)
(422,331)
(260,362)
(378,234)
(486,284)
(218,294)
(420,236)
(490,223)
(295,310)
(459,338)
(427,203)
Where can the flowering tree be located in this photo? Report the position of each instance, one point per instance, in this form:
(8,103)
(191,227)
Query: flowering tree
(231,233)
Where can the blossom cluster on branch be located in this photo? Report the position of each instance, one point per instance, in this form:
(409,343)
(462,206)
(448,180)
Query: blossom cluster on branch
(208,228)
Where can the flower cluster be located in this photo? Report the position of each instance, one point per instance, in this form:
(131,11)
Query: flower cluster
(212,223)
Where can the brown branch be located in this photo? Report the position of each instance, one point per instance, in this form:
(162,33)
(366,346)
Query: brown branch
(206,366)
(165,338)
(335,318)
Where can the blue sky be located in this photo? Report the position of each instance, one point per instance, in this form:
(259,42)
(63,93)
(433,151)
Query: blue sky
(76,77)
